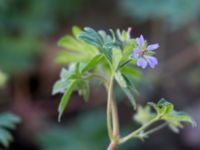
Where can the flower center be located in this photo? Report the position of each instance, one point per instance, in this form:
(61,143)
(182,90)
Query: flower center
(142,53)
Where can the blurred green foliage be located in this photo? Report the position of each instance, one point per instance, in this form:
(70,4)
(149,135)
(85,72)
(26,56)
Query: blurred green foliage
(7,121)
(175,12)
(24,23)
(87,132)
(3,79)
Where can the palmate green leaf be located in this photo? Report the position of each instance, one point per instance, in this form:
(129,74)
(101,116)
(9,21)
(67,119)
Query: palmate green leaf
(128,50)
(77,50)
(92,63)
(133,72)
(131,89)
(126,87)
(108,53)
(69,42)
(101,41)
(76,45)
(71,79)
(62,84)
(163,107)
(116,58)
(143,115)
(73,44)
(120,79)
(64,57)
(174,125)
(179,116)
(64,74)
(105,37)
(91,36)
(65,99)
(165,111)
(59,86)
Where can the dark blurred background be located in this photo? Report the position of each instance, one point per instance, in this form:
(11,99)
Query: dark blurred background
(29,31)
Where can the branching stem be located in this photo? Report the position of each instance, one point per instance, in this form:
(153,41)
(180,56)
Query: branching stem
(138,131)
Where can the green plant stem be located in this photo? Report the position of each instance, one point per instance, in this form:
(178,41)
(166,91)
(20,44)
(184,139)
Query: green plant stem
(113,106)
(111,109)
(156,129)
(115,120)
(101,78)
(109,102)
(136,132)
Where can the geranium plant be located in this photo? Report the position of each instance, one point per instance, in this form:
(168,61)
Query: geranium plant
(113,57)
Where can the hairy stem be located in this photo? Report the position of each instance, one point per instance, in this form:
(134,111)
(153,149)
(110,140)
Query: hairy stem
(114,111)
(112,146)
(115,120)
(109,101)
(136,132)
(156,129)
(111,110)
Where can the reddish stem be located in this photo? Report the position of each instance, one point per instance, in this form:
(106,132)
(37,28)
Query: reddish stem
(112,146)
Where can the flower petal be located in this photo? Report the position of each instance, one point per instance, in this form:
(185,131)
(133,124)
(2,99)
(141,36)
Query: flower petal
(152,47)
(152,61)
(142,63)
(136,52)
(140,40)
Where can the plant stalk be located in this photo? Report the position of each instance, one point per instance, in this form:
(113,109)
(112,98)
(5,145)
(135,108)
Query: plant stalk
(136,132)
(109,102)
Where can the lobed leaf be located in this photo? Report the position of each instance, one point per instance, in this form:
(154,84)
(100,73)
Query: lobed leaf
(59,86)
(165,111)
(165,107)
(90,36)
(126,86)
(65,99)
(64,57)
(83,86)
(92,63)
(120,79)
(133,72)
(143,115)
(179,116)
(116,58)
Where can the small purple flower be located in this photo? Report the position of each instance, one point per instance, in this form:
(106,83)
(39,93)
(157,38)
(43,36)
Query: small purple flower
(143,53)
